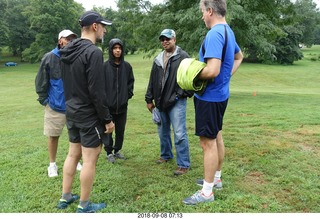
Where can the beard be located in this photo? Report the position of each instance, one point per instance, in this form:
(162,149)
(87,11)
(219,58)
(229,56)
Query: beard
(100,39)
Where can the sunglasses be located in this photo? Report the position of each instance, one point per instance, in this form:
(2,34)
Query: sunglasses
(164,39)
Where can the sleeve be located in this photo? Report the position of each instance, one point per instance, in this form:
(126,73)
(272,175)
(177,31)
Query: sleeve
(149,95)
(96,85)
(130,82)
(237,48)
(42,81)
(216,41)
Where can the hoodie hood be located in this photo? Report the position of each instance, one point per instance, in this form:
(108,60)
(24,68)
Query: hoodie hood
(112,43)
(75,48)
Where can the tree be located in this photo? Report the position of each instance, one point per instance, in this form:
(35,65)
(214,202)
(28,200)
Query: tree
(3,24)
(181,15)
(307,21)
(287,47)
(19,33)
(47,18)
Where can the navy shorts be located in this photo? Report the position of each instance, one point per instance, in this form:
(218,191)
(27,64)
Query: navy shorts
(88,133)
(209,117)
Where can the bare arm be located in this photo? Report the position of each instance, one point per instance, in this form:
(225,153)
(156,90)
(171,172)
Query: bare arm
(212,69)
(237,61)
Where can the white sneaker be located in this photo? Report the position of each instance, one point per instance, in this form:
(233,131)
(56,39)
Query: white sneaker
(53,171)
(79,166)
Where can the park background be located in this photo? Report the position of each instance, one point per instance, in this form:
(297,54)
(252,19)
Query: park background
(271,132)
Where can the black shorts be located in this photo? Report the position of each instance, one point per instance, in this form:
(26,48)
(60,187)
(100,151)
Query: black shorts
(87,133)
(209,117)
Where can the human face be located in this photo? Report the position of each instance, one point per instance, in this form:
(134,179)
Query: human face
(100,31)
(206,16)
(168,44)
(65,40)
(116,51)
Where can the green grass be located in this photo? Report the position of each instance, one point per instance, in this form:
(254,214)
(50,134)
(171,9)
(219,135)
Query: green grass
(272,147)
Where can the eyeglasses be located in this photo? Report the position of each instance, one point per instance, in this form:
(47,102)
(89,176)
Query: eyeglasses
(164,39)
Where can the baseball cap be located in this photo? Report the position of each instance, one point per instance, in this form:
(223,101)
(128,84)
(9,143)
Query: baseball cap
(91,17)
(169,33)
(66,33)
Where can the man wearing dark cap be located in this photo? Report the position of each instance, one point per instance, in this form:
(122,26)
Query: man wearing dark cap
(164,93)
(87,114)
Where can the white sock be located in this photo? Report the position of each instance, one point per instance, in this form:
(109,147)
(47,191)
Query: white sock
(217,176)
(52,164)
(207,188)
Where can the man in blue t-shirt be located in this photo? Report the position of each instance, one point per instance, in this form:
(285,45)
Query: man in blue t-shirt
(223,57)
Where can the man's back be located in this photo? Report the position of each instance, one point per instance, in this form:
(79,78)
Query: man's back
(83,80)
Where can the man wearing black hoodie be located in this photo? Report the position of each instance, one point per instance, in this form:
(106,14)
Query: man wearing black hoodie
(119,87)
(87,114)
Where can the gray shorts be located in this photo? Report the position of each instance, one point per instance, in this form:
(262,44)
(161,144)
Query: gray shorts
(53,122)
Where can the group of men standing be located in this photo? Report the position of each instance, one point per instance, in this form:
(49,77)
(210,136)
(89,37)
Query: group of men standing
(75,76)
(93,96)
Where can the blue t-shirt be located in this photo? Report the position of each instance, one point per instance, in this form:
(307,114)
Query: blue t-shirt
(218,90)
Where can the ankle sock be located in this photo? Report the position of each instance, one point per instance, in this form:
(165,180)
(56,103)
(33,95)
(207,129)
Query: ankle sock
(217,177)
(207,188)
(67,196)
(52,164)
(83,204)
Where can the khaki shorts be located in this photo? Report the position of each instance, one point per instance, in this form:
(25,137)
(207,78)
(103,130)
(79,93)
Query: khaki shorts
(53,122)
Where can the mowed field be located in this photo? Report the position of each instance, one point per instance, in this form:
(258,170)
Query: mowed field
(271,132)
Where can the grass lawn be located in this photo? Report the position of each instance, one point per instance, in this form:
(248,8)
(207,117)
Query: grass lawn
(271,132)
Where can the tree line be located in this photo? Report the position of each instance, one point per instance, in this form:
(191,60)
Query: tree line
(268,31)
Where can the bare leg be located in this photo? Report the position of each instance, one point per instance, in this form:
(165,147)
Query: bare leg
(221,150)
(53,147)
(69,167)
(89,158)
(210,158)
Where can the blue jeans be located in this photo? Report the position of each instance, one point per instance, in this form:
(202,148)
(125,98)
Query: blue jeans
(175,116)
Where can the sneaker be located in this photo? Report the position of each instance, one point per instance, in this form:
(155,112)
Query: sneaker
(111,158)
(197,198)
(180,171)
(53,171)
(161,160)
(120,156)
(64,203)
(91,208)
(79,166)
(217,185)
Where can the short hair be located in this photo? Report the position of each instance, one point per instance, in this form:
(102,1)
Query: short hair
(218,6)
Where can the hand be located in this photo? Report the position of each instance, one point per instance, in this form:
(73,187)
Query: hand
(109,127)
(150,107)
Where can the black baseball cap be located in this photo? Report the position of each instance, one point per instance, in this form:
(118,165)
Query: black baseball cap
(91,17)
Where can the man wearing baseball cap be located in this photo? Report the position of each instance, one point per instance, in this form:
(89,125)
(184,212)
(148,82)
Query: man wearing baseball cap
(91,17)
(49,87)
(87,113)
(164,93)
(169,33)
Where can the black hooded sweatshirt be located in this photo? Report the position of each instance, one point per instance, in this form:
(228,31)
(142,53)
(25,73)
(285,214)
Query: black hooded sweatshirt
(119,80)
(83,82)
